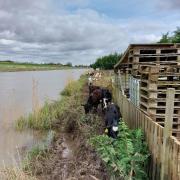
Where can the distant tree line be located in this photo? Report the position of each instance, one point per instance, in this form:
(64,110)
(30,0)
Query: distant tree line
(106,62)
(174,37)
(69,64)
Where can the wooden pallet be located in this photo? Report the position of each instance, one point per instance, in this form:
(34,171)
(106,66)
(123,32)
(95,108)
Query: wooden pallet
(153,87)
(160,55)
(158,68)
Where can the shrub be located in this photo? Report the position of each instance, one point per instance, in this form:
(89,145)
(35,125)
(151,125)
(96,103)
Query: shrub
(125,157)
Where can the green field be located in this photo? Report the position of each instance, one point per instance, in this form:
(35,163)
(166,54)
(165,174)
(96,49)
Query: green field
(15,66)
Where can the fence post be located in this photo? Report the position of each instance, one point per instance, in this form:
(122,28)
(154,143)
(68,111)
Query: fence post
(167,131)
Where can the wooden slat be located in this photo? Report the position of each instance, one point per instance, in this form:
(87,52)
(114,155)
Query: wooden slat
(135,118)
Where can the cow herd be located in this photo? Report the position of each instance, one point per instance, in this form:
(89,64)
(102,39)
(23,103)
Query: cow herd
(111,112)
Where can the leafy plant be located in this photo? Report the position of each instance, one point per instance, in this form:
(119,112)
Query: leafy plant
(126,157)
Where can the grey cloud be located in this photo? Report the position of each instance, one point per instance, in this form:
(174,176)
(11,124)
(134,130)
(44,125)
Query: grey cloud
(18,6)
(30,31)
(169,4)
(77,37)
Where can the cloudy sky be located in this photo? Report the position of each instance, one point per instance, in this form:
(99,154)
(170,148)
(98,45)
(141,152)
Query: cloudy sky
(79,31)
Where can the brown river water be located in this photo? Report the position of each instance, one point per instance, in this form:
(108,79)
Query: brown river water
(19,91)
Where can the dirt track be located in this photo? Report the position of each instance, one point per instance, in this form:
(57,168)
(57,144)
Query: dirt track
(70,156)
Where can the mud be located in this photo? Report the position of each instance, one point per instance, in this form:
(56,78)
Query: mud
(71,157)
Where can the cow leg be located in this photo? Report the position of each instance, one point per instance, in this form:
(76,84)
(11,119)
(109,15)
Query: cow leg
(95,108)
(102,106)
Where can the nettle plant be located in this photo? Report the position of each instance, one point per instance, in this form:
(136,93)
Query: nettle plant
(126,157)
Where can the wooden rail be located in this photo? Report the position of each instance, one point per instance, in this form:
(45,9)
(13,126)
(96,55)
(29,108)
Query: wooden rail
(154,135)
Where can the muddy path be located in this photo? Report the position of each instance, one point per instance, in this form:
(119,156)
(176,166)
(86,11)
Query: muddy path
(70,156)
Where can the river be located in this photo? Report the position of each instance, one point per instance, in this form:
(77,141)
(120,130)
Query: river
(19,91)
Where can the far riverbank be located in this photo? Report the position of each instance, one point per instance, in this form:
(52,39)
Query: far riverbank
(10,66)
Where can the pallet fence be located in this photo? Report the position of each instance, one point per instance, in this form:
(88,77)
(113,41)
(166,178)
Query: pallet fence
(165,149)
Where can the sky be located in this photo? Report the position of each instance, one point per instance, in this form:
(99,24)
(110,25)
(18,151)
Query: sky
(79,31)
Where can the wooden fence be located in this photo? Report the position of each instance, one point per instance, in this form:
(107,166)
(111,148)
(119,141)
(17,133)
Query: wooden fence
(165,160)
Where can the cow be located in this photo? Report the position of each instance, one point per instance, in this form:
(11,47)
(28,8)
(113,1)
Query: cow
(93,101)
(112,118)
(98,95)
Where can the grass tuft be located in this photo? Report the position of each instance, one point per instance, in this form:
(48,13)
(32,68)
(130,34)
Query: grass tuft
(39,150)
(72,88)
(51,112)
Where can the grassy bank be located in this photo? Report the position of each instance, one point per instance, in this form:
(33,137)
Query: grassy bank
(15,66)
(66,117)
(51,113)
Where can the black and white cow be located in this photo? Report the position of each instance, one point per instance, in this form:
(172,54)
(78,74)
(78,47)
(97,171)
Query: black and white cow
(112,119)
(106,97)
(97,96)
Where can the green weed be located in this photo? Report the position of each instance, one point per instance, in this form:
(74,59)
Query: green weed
(126,157)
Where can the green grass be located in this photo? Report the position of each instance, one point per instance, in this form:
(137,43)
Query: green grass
(53,112)
(15,66)
(72,88)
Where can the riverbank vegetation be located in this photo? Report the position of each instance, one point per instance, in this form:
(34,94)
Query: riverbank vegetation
(50,113)
(11,66)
